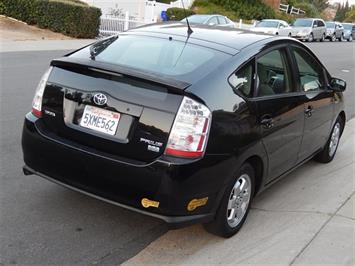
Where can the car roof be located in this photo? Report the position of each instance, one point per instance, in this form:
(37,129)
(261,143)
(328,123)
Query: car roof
(206,15)
(278,20)
(229,38)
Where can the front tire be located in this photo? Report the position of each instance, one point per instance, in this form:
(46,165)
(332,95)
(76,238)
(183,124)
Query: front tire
(328,153)
(235,204)
(310,38)
(323,38)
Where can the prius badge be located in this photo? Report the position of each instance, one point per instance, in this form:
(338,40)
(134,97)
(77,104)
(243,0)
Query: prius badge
(100,99)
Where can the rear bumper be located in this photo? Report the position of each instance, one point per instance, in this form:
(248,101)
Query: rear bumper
(125,185)
(173,221)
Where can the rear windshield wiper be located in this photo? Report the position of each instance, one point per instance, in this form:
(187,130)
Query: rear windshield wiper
(100,46)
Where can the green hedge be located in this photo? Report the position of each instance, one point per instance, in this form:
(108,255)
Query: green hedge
(176,13)
(70,17)
(251,9)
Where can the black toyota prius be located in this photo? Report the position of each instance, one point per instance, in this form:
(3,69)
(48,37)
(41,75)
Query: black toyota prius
(184,126)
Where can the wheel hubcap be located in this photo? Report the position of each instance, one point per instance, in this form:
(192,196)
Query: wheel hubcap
(334,140)
(239,199)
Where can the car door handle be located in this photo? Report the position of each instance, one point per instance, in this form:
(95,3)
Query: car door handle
(267,122)
(309,111)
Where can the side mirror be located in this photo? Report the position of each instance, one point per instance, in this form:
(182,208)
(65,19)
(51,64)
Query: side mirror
(338,85)
(315,26)
(211,24)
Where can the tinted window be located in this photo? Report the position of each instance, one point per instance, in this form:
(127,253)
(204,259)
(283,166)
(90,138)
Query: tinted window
(320,23)
(175,59)
(311,73)
(273,74)
(213,21)
(242,80)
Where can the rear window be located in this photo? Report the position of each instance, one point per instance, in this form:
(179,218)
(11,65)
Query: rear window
(303,23)
(267,24)
(175,59)
(330,24)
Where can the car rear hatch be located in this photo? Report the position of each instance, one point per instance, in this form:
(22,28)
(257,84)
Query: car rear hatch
(140,107)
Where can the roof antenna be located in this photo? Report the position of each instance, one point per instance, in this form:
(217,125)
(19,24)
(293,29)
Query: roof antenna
(189,30)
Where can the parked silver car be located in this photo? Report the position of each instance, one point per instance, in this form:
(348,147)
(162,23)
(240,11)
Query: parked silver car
(211,20)
(273,26)
(335,31)
(349,31)
(309,29)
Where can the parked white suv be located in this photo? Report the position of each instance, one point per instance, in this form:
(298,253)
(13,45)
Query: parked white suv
(309,29)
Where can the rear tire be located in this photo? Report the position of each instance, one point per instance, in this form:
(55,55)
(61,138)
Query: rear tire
(235,204)
(328,153)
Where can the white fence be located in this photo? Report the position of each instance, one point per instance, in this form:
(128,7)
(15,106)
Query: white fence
(112,25)
(293,11)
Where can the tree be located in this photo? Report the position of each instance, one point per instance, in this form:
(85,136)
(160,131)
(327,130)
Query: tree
(342,11)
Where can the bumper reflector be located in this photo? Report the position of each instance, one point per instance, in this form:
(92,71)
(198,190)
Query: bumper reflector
(195,203)
(146,203)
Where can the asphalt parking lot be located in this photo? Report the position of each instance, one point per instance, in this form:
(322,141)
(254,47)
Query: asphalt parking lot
(44,224)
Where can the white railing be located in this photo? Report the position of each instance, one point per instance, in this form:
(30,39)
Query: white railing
(112,25)
(284,8)
(293,11)
(297,11)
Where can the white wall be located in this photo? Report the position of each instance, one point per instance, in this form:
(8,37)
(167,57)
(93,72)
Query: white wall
(135,8)
(141,9)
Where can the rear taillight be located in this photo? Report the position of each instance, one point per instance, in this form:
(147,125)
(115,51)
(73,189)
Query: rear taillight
(37,100)
(189,134)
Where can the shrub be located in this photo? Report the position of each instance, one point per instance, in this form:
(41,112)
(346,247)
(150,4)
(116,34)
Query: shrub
(70,17)
(176,13)
(252,9)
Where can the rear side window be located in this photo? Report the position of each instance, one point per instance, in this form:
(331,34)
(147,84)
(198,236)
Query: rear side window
(242,80)
(222,20)
(273,74)
(175,59)
(310,71)
(213,21)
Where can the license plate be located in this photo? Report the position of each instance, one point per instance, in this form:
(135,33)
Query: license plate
(100,120)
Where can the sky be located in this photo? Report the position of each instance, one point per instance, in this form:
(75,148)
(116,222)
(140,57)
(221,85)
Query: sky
(351,2)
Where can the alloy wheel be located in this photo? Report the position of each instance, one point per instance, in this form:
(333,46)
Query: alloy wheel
(239,200)
(334,139)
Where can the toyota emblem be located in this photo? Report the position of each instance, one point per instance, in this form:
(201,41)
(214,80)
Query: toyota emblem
(100,99)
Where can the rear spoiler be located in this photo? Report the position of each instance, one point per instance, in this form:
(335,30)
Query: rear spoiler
(89,64)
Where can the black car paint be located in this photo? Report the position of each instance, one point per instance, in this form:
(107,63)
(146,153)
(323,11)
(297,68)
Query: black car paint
(121,171)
